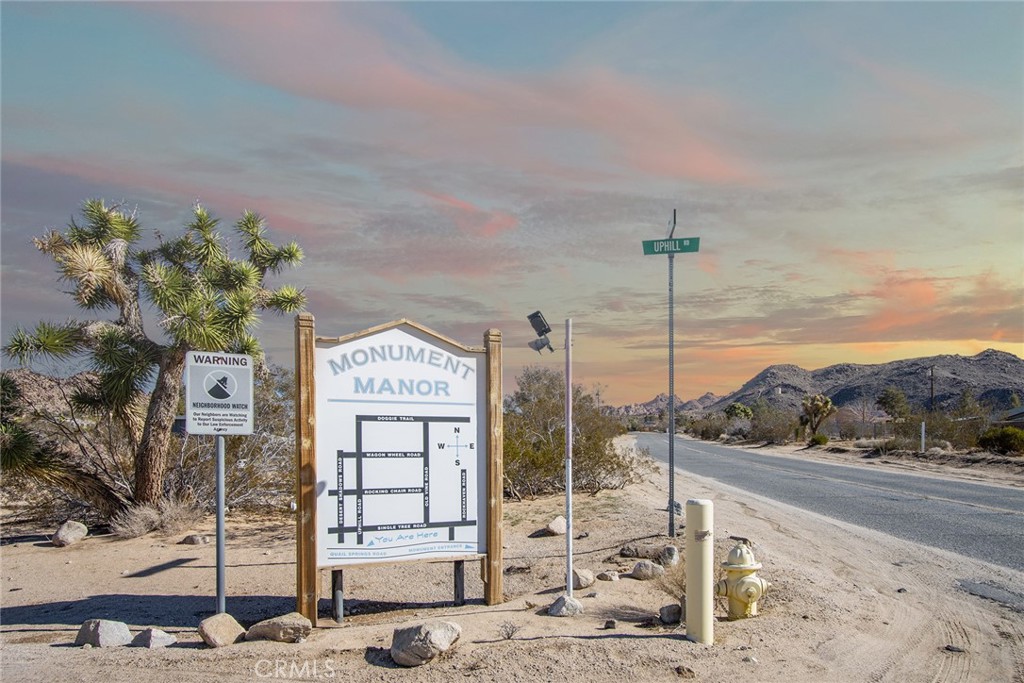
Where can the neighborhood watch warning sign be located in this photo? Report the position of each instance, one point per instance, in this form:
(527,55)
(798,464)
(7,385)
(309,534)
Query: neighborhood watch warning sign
(218,393)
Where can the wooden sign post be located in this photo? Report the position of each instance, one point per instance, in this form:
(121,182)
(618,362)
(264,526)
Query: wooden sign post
(398,454)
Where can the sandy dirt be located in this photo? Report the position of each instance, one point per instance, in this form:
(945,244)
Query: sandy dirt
(846,604)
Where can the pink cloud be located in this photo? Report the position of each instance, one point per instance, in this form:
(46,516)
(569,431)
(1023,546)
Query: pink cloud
(471,220)
(374,59)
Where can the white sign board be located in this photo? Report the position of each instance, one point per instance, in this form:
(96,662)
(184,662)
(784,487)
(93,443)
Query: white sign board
(218,393)
(400,448)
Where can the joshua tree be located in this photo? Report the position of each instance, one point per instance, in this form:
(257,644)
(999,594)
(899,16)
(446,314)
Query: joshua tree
(738,411)
(205,300)
(817,409)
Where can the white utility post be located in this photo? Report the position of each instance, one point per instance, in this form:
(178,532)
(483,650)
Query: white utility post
(700,575)
(568,457)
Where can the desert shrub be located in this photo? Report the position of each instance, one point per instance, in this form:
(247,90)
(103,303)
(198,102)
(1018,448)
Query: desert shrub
(507,630)
(771,425)
(709,427)
(169,516)
(258,469)
(1003,440)
(818,440)
(135,521)
(177,515)
(534,444)
(673,581)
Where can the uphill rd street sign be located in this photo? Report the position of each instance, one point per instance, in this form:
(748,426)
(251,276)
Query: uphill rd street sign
(218,393)
(671,246)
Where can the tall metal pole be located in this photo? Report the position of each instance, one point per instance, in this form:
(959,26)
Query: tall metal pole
(671,403)
(221,606)
(568,457)
(671,391)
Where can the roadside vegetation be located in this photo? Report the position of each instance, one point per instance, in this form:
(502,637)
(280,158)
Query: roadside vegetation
(887,425)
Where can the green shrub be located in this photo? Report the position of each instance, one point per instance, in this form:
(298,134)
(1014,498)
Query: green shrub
(819,440)
(534,444)
(1003,440)
(769,424)
(709,427)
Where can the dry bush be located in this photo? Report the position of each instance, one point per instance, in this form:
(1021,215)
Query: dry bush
(135,521)
(177,515)
(508,630)
(673,581)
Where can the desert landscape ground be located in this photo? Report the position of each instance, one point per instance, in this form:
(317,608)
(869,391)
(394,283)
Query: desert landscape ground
(846,604)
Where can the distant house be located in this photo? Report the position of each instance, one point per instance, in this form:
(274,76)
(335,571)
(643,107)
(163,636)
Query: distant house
(1014,418)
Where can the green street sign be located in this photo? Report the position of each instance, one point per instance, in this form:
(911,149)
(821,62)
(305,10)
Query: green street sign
(673,246)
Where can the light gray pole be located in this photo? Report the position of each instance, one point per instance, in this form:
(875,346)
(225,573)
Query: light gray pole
(568,457)
(671,397)
(221,607)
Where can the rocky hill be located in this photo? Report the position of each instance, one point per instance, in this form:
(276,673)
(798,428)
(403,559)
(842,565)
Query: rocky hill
(660,403)
(993,377)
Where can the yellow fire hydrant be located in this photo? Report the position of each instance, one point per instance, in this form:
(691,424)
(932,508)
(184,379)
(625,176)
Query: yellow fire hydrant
(741,585)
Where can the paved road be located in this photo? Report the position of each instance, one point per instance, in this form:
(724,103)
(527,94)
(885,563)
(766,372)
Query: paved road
(977,520)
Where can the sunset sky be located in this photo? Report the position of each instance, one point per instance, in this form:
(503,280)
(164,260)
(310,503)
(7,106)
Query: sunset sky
(854,170)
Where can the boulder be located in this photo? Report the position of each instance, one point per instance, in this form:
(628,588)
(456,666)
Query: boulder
(287,628)
(556,527)
(608,576)
(417,645)
(153,638)
(195,539)
(565,607)
(220,630)
(103,633)
(582,578)
(671,614)
(645,570)
(69,533)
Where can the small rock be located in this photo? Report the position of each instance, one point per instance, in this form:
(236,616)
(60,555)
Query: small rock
(677,507)
(582,536)
(610,624)
(417,645)
(582,578)
(556,527)
(645,570)
(103,633)
(743,647)
(87,646)
(565,607)
(671,614)
(195,539)
(608,576)
(288,628)
(220,630)
(69,533)
(954,648)
(591,594)
(153,638)
(751,660)
(669,556)
(685,672)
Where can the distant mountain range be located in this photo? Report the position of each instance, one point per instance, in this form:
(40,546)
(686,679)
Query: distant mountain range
(993,376)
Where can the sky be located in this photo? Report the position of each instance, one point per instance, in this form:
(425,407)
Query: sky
(854,171)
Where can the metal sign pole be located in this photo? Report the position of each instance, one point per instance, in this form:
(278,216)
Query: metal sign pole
(221,607)
(671,399)
(568,457)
